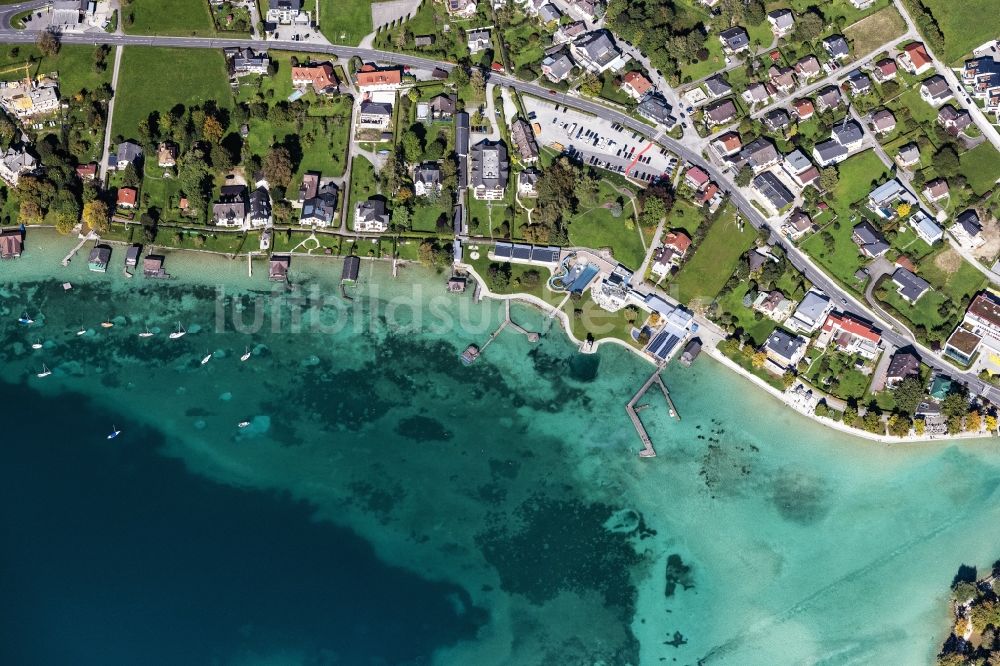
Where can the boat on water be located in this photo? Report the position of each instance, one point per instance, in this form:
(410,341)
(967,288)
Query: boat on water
(114,432)
(146,334)
(246,356)
(37,344)
(45,371)
(179,333)
(25,319)
(82,331)
(107,324)
(206,359)
(470,354)
(243,424)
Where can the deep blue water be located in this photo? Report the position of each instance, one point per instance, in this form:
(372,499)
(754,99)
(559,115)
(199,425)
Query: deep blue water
(111,553)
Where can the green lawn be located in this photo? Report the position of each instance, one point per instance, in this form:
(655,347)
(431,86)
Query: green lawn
(835,373)
(703,275)
(345,21)
(684,215)
(756,326)
(981,166)
(965,24)
(363,185)
(517,282)
(835,11)
(157,79)
(189,18)
(920,110)
(874,30)
(595,227)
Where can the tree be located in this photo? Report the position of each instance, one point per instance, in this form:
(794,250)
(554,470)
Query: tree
(946,160)
(955,404)
(788,378)
(744,177)
(48,43)
(96,216)
(872,422)
(459,76)
(759,359)
(809,25)
(907,395)
(954,425)
(130,177)
(903,209)
(478,82)
(991,423)
(899,425)
(653,211)
(212,129)
(413,145)
(828,179)
(973,421)
(278,167)
(591,85)
(400,218)
(919,426)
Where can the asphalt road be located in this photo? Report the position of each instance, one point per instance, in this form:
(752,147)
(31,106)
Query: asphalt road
(797,258)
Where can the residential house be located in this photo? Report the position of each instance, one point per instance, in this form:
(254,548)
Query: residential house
(374,115)
(773,190)
(717,86)
(100,257)
(803,109)
(557,66)
(836,47)
(828,98)
(527,183)
(371,216)
(548,13)
(774,305)
(782,22)
(596,52)
(11,244)
(478,40)
(758,93)
(883,122)
(318,75)
(811,312)
(246,61)
(860,84)
(720,113)
(908,155)
(777,120)
(915,59)
(983,76)
(370,78)
(231,209)
(849,335)
(16,163)
(884,199)
(807,67)
(909,287)
(904,364)
(935,90)
(760,154)
(936,189)
(83,171)
(782,78)
(287,12)
(862,4)
(674,248)
(953,120)
(798,224)
(260,206)
(869,240)
(635,85)
(128,153)
(785,349)
(654,107)
(801,170)
(309,187)
(427,179)
(442,107)
(845,138)
(925,227)
(884,70)
(734,40)
(461,8)
(968,230)
(166,154)
(567,32)
(127,197)
(979,326)
(696,179)
(727,144)
(320,209)
(523,138)
(489,170)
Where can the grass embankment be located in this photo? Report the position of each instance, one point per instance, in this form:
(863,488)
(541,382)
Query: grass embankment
(188,18)
(703,275)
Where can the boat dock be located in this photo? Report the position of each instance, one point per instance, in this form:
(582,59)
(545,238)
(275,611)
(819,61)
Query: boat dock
(507,321)
(76,248)
(647,444)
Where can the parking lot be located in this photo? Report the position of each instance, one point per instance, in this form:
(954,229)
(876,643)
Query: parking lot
(598,142)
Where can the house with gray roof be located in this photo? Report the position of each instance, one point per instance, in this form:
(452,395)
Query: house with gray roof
(811,312)
(883,121)
(231,208)
(16,163)
(320,209)
(478,40)
(904,364)
(869,240)
(860,84)
(548,13)
(717,86)
(777,120)
(557,66)
(760,154)
(782,22)
(655,107)
(720,113)
(844,137)
(489,169)
(909,286)
(596,52)
(926,228)
(828,98)
(260,207)
(908,155)
(128,152)
(734,40)
(524,141)
(371,216)
(785,349)
(953,120)
(935,90)
(427,179)
(773,190)
(968,230)
(836,47)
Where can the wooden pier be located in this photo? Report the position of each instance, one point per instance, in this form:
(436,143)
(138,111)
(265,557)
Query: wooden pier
(633,412)
(507,321)
(76,248)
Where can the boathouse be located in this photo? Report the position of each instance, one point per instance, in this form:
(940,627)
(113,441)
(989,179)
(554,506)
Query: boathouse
(132,255)
(11,244)
(352,266)
(278,268)
(152,267)
(99,258)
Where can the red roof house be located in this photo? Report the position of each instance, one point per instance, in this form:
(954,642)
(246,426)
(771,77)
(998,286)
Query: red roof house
(127,197)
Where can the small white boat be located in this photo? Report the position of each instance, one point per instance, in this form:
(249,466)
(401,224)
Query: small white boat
(114,432)
(206,359)
(243,424)
(45,372)
(179,333)
(146,334)
(107,324)
(25,319)
(246,356)
(82,331)
(37,344)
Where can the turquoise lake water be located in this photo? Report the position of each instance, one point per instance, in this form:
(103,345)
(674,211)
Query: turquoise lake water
(389,505)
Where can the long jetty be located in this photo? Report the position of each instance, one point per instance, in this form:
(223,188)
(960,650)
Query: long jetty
(647,443)
(76,248)
(507,321)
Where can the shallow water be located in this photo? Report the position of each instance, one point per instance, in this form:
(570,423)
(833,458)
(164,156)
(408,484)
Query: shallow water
(388,504)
